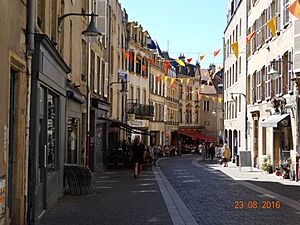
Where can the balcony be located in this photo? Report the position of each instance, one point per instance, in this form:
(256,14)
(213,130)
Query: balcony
(141,111)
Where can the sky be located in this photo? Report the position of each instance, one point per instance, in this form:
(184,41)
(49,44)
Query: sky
(192,27)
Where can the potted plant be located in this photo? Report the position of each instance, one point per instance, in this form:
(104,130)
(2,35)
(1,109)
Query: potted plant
(277,171)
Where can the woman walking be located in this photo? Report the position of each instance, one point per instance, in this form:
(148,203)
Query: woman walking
(138,156)
(226,155)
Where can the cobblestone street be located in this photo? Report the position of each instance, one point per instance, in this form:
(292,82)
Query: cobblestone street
(200,194)
(212,196)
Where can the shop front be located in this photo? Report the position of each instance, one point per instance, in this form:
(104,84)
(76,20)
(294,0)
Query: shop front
(280,127)
(47,127)
(98,149)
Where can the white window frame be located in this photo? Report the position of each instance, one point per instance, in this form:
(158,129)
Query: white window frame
(285,12)
(258,86)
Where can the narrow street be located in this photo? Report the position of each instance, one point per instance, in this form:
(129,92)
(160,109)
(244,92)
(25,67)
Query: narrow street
(197,195)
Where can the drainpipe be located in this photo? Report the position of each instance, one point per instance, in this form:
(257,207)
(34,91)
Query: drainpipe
(29,53)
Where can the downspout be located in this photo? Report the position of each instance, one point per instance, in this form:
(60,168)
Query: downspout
(246,108)
(29,53)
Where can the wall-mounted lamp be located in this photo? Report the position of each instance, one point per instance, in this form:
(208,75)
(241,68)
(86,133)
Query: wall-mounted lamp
(91,34)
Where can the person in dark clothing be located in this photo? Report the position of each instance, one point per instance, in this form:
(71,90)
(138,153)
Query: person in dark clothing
(138,156)
(212,151)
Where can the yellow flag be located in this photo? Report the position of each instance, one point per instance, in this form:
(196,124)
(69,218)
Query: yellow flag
(272,26)
(235,49)
(199,97)
(220,100)
(165,79)
(187,81)
(180,62)
(207,96)
(214,99)
(181,80)
(172,82)
(201,57)
(202,87)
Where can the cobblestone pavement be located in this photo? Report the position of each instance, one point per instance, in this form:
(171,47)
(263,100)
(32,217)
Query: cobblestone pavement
(213,198)
(119,200)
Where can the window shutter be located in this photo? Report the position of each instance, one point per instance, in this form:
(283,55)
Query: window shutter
(100,75)
(106,81)
(101,21)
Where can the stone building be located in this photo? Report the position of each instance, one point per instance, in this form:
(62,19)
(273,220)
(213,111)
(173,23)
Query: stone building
(14,116)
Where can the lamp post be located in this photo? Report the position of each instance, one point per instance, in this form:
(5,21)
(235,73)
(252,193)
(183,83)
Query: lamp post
(273,73)
(91,34)
(215,114)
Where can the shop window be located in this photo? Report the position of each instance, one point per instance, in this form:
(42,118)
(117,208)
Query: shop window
(73,140)
(52,131)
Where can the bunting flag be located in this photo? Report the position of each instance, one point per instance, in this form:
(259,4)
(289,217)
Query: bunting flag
(220,100)
(201,57)
(199,97)
(165,79)
(207,96)
(130,58)
(166,64)
(172,82)
(125,54)
(214,99)
(216,52)
(272,26)
(235,49)
(143,68)
(158,78)
(187,81)
(150,61)
(180,62)
(294,8)
(249,37)
(202,87)
(188,61)
(181,80)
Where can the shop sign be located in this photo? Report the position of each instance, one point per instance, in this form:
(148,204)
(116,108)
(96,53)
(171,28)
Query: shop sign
(2,196)
(138,123)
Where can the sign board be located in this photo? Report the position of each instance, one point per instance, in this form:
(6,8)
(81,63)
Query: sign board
(138,123)
(122,74)
(245,158)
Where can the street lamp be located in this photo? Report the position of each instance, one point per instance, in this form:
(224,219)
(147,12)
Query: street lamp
(273,73)
(91,34)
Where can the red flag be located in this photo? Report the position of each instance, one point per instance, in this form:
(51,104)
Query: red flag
(150,60)
(130,58)
(166,64)
(158,77)
(294,8)
(216,52)
(250,36)
(143,68)
(124,54)
(188,61)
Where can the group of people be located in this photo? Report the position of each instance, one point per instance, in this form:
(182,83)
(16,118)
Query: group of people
(139,153)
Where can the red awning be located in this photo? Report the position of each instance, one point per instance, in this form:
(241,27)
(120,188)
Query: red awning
(195,136)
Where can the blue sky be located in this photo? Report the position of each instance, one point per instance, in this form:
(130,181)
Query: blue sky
(191,26)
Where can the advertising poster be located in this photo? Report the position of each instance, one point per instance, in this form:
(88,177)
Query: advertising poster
(2,197)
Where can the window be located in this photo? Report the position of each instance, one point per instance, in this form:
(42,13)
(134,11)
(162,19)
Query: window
(236,71)
(52,131)
(138,95)
(131,61)
(290,84)
(102,77)
(112,55)
(240,103)
(268,84)
(239,138)
(258,86)
(279,80)
(138,69)
(92,70)
(205,105)
(41,14)
(235,103)
(253,87)
(240,27)
(73,140)
(277,15)
(233,74)
(83,60)
(144,97)
(286,13)
(240,65)
(99,75)
(259,33)
(268,16)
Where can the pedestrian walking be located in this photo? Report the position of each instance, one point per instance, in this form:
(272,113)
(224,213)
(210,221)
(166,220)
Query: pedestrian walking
(211,151)
(138,150)
(226,155)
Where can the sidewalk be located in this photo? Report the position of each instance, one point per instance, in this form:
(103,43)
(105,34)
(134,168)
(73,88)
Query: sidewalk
(119,199)
(257,178)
